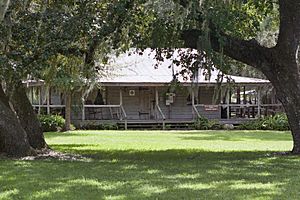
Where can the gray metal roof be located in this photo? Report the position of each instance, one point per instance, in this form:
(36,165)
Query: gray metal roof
(132,68)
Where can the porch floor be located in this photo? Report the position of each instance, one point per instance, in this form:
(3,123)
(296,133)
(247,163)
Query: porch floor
(156,124)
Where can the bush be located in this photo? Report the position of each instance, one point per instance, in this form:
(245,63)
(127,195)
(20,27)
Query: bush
(203,123)
(94,126)
(277,122)
(52,123)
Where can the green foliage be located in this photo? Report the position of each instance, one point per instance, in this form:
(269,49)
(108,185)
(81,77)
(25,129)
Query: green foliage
(240,19)
(65,72)
(203,123)
(104,126)
(35,32)
(52,123)
(277,122)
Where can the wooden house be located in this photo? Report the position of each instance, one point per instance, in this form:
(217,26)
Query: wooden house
(135,91)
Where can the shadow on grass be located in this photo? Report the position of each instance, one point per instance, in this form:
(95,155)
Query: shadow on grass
(170,174)
(241,136)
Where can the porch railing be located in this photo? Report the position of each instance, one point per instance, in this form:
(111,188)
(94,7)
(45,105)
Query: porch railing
(256,110)
(95,107)
(120,114)
(124,116)
(227,111)
(162,116)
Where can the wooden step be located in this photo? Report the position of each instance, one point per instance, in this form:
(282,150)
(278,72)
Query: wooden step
(156,125)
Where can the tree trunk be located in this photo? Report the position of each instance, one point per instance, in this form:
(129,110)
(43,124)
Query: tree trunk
(284,70)
(13,138)
(286,81)
(68,110)
(288,93)
(27,117)
(293,112)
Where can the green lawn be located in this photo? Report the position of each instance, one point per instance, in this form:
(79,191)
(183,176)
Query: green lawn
(158,165)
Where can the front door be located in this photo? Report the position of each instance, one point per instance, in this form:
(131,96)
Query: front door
(144,103)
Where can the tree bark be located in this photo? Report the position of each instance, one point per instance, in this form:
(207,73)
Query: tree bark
(293,112)
(27,116)
(3,8)
(68,110)
(287,86)
(3,97)
(13,138)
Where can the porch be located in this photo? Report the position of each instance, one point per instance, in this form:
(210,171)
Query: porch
(132,106)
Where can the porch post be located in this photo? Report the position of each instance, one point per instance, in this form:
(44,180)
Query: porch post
(121,97)
(83,112)
(156,108)
(193,103)
(193,97)
(156,96)
(228,101)
(121,104)
(48,101)
(244,95)
(40,100)
(259,101)
(244,102)
(156,102)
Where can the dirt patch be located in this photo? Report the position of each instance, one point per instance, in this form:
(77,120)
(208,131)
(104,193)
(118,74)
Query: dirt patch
(49,154)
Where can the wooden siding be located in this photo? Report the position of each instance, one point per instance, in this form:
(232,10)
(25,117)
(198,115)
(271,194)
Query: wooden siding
(205,95)
(141,105)
(180,108)
(137,106)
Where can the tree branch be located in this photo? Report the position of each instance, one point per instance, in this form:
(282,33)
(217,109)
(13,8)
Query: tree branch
(90,53)
(249,52)
(3,8)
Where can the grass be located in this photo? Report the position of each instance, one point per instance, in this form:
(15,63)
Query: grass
(158,165)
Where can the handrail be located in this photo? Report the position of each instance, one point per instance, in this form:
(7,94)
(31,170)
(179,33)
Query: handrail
(239,105)
(123,111)
(270,105)
(162,115)
(250,105)
(50,106)
(102,106)
(198,105)
(124,115)
(86,106)
(196,111)
(160,112)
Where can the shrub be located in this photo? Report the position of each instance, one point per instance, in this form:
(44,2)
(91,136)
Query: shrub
(251,125)
(94,126)
(203,123)
(277,122)
(52,123)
